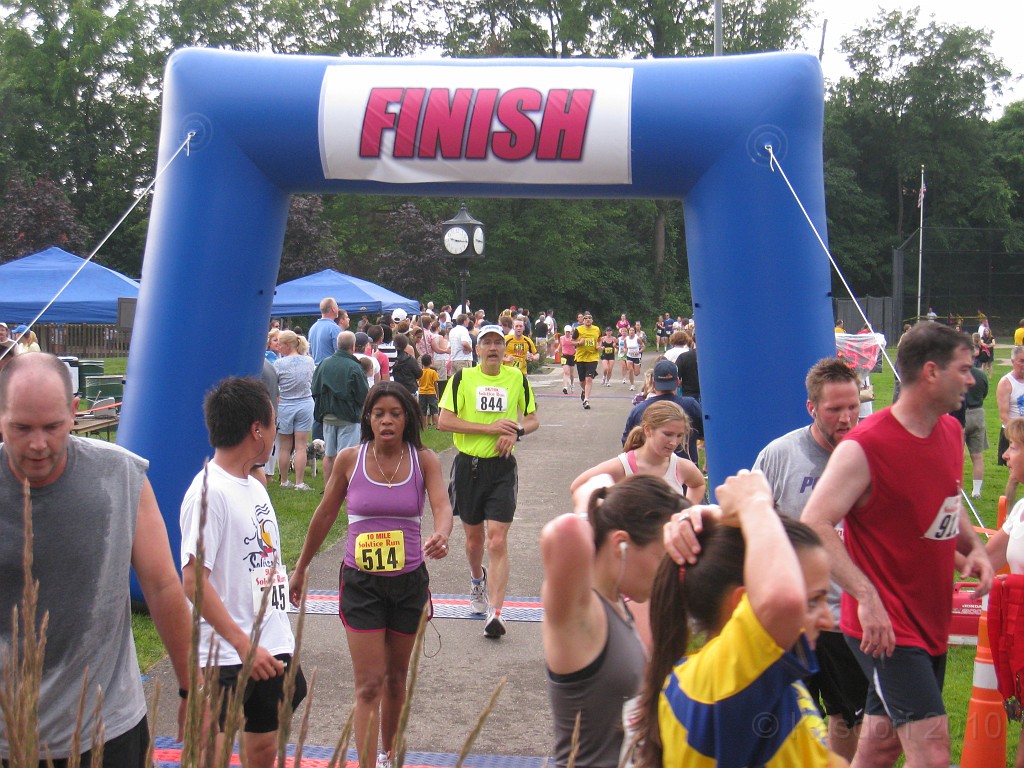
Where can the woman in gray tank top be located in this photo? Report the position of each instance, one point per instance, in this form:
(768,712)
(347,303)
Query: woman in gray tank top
(607,550)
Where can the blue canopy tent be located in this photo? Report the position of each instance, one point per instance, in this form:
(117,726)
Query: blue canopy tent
(31,281)
(301,297)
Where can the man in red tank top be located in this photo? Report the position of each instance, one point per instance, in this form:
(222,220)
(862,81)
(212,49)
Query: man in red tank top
(894,482)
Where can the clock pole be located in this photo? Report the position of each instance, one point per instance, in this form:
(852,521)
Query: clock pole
(462,239)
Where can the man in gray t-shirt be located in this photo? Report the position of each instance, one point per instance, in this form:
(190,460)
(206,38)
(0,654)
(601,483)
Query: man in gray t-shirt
(94,516)
(792,464)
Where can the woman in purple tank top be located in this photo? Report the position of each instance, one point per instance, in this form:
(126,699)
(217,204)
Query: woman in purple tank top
(384,586)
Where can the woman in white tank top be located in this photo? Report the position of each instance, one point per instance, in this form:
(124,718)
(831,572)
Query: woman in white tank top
(650,450)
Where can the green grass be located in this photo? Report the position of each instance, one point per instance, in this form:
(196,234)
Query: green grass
(960,662)
(147,642)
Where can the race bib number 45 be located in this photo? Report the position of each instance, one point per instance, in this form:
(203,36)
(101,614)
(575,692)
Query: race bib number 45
(276,582)
(380,551)
(946,524)
(491,399)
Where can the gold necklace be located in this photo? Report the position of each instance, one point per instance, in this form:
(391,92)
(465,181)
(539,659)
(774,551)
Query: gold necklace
(390,481)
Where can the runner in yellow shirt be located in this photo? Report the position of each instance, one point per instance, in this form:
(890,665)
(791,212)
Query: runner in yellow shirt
(519,348)
(587,353)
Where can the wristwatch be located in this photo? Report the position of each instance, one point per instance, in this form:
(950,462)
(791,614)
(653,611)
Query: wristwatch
(520,433)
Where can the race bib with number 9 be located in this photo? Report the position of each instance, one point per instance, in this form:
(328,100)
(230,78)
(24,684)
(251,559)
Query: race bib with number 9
(491,399)
(946,524)
(380,551)
(277,581)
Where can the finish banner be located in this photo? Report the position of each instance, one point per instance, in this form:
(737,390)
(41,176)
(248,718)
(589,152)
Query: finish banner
(508,125)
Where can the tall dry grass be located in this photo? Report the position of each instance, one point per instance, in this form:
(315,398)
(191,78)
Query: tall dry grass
(202,745)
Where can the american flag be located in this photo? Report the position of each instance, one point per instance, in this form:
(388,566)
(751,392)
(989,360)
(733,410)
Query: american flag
(920,194)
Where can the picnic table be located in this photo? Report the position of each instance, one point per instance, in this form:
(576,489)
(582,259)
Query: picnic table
(102,419)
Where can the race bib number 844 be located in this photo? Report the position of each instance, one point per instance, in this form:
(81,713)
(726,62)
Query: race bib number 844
(491,399)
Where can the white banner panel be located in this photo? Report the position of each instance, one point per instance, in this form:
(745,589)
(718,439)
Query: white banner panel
(508,125)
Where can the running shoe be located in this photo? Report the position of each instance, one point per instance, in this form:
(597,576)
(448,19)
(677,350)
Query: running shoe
(494,626)
(478,595)
(586,405)
(287,484)
(303,487)
(632,388)
(565,390)
(383,760)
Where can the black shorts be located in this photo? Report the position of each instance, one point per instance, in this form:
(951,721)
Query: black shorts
(370,602)
(839,684)
(259,704)
(608,356)
(585,370)
(634,360)
(484,489)
(569,360)
(130,750)
(428,405)
(905,687)
(1004,446)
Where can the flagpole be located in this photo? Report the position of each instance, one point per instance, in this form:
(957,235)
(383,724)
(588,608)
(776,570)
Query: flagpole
(920,241)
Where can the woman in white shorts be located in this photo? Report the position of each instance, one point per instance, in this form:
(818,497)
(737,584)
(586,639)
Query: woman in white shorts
(295,408)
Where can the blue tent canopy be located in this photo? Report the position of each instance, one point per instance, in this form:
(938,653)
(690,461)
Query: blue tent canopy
(302,296)
(28,283)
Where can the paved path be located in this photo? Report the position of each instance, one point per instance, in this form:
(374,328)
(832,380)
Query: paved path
(460,667)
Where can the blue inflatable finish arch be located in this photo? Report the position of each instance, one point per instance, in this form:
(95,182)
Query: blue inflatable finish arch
(268,126)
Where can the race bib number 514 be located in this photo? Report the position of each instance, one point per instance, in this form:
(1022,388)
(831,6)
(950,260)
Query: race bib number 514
(380,551)
(946,524)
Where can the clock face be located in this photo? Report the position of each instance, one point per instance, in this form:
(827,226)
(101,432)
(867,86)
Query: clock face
(456,240)
(478,241)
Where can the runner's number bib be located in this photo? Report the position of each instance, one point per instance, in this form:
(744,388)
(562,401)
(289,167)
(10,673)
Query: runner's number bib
(277,581)
(491,399)
(946,524)
(380,551)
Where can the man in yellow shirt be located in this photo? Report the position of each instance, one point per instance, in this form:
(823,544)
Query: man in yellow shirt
(1018,335)
(518,347)
(587,353)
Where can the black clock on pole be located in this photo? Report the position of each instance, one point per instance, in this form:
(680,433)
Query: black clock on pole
(463,238)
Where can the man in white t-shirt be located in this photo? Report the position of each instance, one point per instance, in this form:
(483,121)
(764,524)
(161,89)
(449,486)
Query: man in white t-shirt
(241,562)
(461,343)
(365,350)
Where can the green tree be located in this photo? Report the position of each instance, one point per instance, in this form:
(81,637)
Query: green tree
(309,244)
(77,79)
(36,216)
(917,96)
(1007,141)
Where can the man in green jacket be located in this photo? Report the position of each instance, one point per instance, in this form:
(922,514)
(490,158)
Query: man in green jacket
(339,389)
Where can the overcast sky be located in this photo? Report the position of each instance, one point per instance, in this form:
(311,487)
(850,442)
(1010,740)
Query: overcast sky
(1005,18)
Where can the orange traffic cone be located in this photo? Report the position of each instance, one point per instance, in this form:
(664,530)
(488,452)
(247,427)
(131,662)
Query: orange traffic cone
(985,731)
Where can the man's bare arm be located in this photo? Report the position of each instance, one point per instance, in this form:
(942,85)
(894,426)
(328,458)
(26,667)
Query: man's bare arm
(843,486)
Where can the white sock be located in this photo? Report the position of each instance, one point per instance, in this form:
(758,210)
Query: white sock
(977,487)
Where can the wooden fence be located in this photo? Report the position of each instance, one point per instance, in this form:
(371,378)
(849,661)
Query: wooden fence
(83,340)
